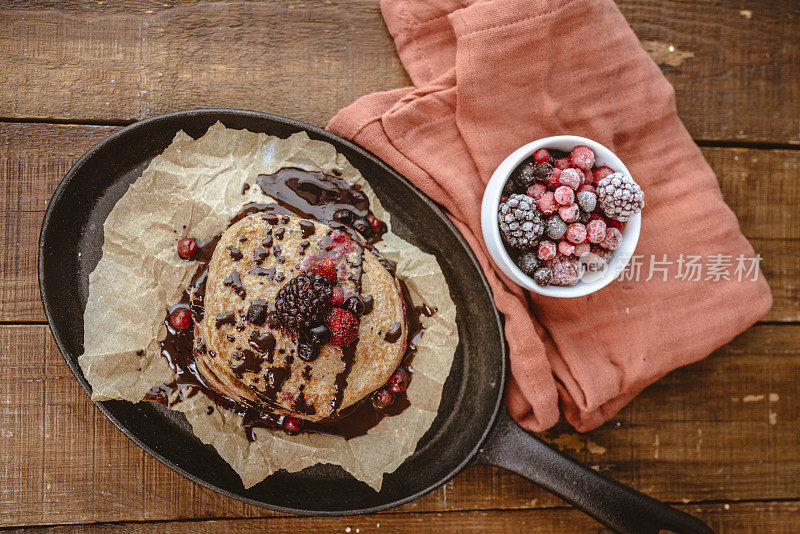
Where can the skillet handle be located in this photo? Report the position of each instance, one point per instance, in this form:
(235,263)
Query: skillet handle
(615,505)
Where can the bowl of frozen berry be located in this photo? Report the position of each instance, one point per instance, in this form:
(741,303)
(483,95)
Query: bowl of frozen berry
(561,216)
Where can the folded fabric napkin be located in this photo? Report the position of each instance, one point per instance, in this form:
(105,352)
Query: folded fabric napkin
(492,75)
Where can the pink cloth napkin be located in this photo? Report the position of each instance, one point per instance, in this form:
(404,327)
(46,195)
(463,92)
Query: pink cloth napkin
(492,75)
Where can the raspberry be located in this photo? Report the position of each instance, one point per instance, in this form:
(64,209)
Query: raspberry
(601,173)
(576,233)
(326,269)
(541,156)
(588,177)
(187,247)
(555,228)
(547,203)
(339,238)
(586,201)
(612,240)
(586,188)
(304,301)
(569,213)
(566,271)
(181,319)
(582,157)
(537,190)
(564,195)
(547,250)
(562,163)
(528,263)
(582,249)
(566,248)
(613,223)
(398,382)
(572,178)
(344,327)
(543,276)
(552,182)
(596,230)
(337,298)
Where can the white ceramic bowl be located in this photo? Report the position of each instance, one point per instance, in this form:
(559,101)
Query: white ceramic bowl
(491,229)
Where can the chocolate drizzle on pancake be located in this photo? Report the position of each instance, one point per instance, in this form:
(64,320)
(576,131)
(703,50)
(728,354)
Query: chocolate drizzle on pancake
(393,334)
(235,253)
(308,195)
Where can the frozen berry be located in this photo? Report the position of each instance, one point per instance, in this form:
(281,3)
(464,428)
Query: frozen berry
(547,250)
(588,177)
(382,398)
(398,382)
(187,247)
(525,174)
(552,182)
(582,157)
(337,298)
(619,196)
(572,178)
(354,305)
(308,352)
(596,231)
(601,253)
(326,269)
(181,318)
(601,173)
(527,263)
(291,425)
(566,248)
(566,270)
(555,227)
(569,213)
(537,190)
(547,203)
(586,201)
(509,188)
(363,226)
(612,240)
(613,223)
(586,188)
(576,233)
(564,195)
(562,163)
(303,301)
(375,223)
(582,249)
(543,276)
(520,222)
(344,327)
(318,335)
(541,156)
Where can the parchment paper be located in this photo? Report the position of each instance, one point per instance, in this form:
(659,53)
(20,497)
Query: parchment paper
(193,189)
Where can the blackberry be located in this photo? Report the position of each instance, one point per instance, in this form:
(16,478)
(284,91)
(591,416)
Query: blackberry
(619,196)
(542,171)
(524,175)
(520,222)
(528,263)
(304,301)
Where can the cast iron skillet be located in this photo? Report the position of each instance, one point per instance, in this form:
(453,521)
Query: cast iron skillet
(471,427)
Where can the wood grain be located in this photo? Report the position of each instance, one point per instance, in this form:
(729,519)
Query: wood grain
(756,518)
(736,76)
(34,158)
(723,429)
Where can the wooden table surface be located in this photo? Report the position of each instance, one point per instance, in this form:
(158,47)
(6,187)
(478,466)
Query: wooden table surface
(720,439)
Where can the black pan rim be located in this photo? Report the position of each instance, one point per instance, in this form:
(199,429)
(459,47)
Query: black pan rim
(335,140)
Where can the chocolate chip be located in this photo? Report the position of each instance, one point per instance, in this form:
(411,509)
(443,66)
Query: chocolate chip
(257,313)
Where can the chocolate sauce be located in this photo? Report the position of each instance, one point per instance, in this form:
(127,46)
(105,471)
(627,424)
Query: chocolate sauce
(245,187)
(234,281)
(393,334)
(309,195)
(209,410)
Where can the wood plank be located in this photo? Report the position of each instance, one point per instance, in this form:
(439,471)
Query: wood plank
(723,429)
(745,517)
(34,157)
(735,71)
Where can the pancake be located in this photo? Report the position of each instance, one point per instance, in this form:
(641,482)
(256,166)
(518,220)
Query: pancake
(258,365)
